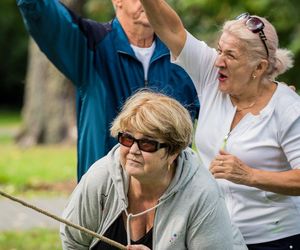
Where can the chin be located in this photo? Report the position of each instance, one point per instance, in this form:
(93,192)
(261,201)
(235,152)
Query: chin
(222,87)
(146,24)
(143,20)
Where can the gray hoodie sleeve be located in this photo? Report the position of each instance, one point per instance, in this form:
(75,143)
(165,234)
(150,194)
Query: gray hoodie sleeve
(80,211)
(95,203)
(212,231)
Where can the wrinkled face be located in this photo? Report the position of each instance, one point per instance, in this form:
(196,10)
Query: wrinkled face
(133,10)
(235,70)
(144,165)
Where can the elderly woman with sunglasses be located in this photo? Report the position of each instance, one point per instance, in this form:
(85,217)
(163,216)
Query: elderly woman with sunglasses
(248,131)
(150,191)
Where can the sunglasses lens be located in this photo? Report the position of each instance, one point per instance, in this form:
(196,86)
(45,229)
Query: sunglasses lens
(255,24)
(126,140)
(144,144)
(148,145)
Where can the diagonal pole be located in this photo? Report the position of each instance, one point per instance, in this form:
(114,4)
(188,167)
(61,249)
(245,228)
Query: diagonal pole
(83,229)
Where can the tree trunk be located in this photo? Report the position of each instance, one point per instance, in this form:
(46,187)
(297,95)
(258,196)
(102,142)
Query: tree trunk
(48,113)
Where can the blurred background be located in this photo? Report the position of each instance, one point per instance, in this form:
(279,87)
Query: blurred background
(29,83)
(37,109)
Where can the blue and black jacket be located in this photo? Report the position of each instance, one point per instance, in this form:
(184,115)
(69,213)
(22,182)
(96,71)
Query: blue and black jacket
(99,60)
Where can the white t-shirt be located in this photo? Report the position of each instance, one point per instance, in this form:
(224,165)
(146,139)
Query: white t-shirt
(269,141)
(144,55)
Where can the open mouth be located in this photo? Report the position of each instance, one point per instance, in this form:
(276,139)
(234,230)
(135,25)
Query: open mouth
(222,77)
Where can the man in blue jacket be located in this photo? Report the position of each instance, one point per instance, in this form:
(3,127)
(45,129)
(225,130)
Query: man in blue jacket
(107,62)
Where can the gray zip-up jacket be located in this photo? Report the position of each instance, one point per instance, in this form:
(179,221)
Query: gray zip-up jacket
(191,213)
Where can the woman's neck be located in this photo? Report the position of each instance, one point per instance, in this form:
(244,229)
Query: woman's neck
(248,99)
(152,189)
(254,101)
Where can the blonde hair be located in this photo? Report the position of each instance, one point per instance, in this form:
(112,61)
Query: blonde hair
(280,60)
(158,116)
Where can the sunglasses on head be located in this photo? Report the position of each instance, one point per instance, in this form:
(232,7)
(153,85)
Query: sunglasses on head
(144,144)
(255,25)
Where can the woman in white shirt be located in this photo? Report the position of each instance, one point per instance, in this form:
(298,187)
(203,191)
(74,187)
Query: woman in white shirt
(249,124)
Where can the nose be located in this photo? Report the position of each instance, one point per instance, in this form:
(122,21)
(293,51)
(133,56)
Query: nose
(220,63)
(134,149)
(140,5)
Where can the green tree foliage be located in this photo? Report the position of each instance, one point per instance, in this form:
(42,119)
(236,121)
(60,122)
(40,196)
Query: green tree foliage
(100,10)
(13,52)
(203,18)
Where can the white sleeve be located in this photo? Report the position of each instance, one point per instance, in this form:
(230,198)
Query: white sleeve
(290,135)
(198,60)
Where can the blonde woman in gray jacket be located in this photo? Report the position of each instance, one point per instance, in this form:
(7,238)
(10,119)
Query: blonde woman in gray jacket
(150,191)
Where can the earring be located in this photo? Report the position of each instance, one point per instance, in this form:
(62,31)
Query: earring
(169,167)
(253,77)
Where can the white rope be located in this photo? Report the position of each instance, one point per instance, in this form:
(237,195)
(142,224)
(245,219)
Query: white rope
(130,215)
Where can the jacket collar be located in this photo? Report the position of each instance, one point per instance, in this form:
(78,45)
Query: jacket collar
(123,46)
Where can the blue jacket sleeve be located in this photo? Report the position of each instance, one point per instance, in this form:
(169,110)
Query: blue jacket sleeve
(53,28)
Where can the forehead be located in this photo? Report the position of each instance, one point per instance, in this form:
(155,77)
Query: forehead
(135,134)
(228,42)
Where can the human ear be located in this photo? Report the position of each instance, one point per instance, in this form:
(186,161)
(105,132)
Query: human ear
(172,158)
(261,68)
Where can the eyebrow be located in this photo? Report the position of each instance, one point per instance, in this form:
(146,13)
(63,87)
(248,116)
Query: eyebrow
(230,51)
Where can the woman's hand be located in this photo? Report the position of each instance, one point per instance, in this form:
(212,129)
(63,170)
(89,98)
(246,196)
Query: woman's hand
(229,167)
(137,247)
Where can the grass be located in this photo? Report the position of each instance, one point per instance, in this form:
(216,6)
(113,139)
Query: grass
(32,167)
(9,123)
(9,117)
(40,239)
(21,169)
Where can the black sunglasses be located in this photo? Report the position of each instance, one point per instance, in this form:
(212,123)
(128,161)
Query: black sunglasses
(144,144)
(255,25)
